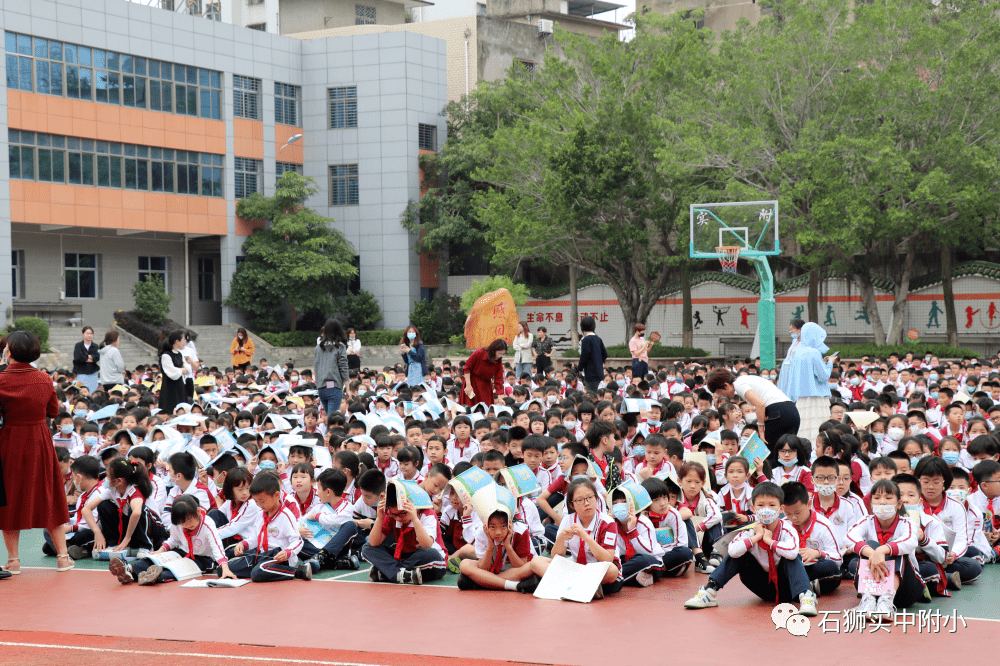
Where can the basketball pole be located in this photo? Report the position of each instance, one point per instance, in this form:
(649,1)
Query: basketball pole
(765,313)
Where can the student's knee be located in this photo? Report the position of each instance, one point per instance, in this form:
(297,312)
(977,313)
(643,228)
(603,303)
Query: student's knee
(466,566)
(258,575)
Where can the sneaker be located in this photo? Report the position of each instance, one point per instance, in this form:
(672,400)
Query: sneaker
(702,566)
(409,577)
(644,578)
(706,598)
(714,561)
(77,552)
(150,576)
(48,550)
(142,552)
(528,585)
(375,576)
(351,562)
(121,571)
(884,607)
(304,571)
(599,592)
(814,585)
(927,598)
(453,565)
(954,581)
(314,565)
(867,605)
(807,604)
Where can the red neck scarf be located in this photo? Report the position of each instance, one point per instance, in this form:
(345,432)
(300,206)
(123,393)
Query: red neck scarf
(581,552)
(83,503)
(406,539)
(806,532)
(827,512)
(189,535)
(262,543)
(885,535)
(934,510)
(304,506)
(234,508)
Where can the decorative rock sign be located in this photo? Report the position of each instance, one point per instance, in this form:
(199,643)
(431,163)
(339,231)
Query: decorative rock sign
(493,316)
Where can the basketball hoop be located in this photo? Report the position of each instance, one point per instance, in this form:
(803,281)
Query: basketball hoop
(728,256)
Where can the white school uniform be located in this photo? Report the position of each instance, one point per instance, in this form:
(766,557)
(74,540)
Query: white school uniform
(953,515)
(643,538)
(785,544)
(158,498)
(819,534)
(903,539)
(74,443)
(332,518)
(981,510)
(521,539)
(281,531)
(241,520)
(77,522)
(196,489)
(729,502)
(543,476)
(672,520)
(842,516)
(934,546)
(528,512)
(457,455)
(203,541)
(707,510)
(391,468)
(602,529)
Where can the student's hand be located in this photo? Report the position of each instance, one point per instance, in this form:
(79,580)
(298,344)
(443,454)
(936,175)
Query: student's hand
(99,543)
(767,536)
(305,532)
(226,573)
(408,507)
(380,508)
(565,535)
(876,564)
(686,513)
(280,468)
(436,502)
(758,465)
(281,556)
(809,554)
(508,541)
(993,537)
(740,518)
(203,475)
(920,534)
(120,547)
(466,509)
(949,559)
(758,531)
(645,472)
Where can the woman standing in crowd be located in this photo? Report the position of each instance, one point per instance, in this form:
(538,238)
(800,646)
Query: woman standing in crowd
(639,347)
(353,350)
(112,364)
(804,376)
(242,350)
(190,354)
(414,356)
(776,413)
(32,493)
(541,349)
(172,366)
(330,365)
(483,381)
(522,349)
(85,360)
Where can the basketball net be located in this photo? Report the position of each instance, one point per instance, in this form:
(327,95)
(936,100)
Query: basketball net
(728,256)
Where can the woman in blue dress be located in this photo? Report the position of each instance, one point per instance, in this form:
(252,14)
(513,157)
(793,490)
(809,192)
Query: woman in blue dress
(803,378)
(414,356)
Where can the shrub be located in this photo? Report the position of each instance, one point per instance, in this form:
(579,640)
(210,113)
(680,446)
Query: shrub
(36,326)
(919,349)
(478,288)
(152,303)
(308,338)
(151,335)
(439,319)
(457,340)
(658,351)
(380,338)
(359,311)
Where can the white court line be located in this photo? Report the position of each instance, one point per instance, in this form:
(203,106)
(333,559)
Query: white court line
(187,654)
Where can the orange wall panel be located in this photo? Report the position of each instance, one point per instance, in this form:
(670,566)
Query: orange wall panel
(292,153)
(248,138)
(246,227)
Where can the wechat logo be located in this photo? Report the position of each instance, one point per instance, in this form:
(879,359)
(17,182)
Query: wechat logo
(784,616)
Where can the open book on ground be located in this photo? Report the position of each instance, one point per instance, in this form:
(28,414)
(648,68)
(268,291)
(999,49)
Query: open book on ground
(183,568)
(569,581)
(216,582)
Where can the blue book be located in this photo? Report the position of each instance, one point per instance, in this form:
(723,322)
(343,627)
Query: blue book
(751,447)
(471,481)
(401,488)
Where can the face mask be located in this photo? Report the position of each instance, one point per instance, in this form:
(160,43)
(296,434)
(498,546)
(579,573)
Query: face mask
(868,378)
(652,424)
(832,384)
(795,336)
(912,507)
(267,464)
(933,376)
(294,378)
(90,440)
(639,451)
(551,399)
(826,491)
(569,425)
(895,434)
(80,413)
(774,377)
(934,395)
(620,512)
(579,477)
(950,457)
(855,381)
(879,436)
(411,336)
(789,463)
(352,337)
(710,457)
(884,511)
(917,430)
(671,379)
(970,389)
(913,463)
(958,495)
(767,515)
(66,429)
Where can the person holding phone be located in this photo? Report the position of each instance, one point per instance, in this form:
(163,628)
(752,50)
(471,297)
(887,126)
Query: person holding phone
(805,375)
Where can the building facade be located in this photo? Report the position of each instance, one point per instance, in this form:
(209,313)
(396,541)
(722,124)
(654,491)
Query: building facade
(133,131)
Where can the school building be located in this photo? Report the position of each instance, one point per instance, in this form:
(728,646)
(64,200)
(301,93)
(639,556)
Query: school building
(132,132)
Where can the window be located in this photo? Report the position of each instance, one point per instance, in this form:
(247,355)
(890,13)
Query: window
(206,279)
(282,167)
(59,159)
(248,177)
(529,67)
(344,185)
(481,8)
(81,275)
(258,26)
(364,15)
(427,137)
(246,97)
(51,67)
(153,266)
(286,104)
(15,270)
(343,107)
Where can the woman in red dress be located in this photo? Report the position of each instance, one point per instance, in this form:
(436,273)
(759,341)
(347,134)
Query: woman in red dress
(31,491)
(484,375)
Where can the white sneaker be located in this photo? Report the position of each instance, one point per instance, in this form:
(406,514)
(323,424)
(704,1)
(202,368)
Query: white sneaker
(706,598)
(644,578)
(867,605)
(884,607)
(715,561)
(142,553)
(807,604)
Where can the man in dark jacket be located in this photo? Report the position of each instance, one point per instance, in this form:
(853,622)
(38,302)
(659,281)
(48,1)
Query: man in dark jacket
(593,354)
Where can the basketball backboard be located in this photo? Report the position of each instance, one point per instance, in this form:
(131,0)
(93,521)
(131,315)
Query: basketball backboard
(750,225)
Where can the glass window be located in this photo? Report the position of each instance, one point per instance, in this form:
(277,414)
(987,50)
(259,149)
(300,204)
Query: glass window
(248,174)
(344,185)
(206,279)
(246,97)
(153,267)
(286,104)
(343,103)
(81,275)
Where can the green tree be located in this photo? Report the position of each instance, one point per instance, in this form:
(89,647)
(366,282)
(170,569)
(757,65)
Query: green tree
(359,311)
(439,319)
(298,259)
(577,179)
(518,291)
(152,304)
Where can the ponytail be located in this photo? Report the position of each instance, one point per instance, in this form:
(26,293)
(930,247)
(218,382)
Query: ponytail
(134,474)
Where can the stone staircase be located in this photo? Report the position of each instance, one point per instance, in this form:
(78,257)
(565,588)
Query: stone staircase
(62,339)
(213,346)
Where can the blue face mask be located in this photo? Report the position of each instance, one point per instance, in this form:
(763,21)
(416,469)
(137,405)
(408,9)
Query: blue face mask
(267,464)
(66,429)
(711,459)
(795,336)
(639,451)
(80,413)
(90,440)
(950,457)
(652,424)
(913,463)
(934,395)
(579,477)
(411,336)
(620,511)
(879,436)
(933,376)
(789,463)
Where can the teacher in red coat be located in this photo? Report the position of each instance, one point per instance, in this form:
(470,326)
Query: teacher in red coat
(31,492)
(483,381)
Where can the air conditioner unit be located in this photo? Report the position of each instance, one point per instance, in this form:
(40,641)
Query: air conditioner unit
(544,26)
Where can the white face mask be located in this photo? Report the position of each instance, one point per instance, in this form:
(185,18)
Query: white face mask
(884,511)
(895,434)
(826,491)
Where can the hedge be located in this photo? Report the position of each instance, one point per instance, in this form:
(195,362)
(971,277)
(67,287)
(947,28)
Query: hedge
(918,349)
(308,338)
(658,351)
(36,326)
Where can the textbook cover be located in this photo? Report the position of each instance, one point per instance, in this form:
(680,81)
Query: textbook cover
(521,481)
(493,498)
(665,536)
(469,482)
(752,447)
(721,545)
(183,568)
(567,580)
(401,488)
(637,496)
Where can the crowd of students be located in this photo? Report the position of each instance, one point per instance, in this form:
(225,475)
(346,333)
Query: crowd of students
(905,473)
